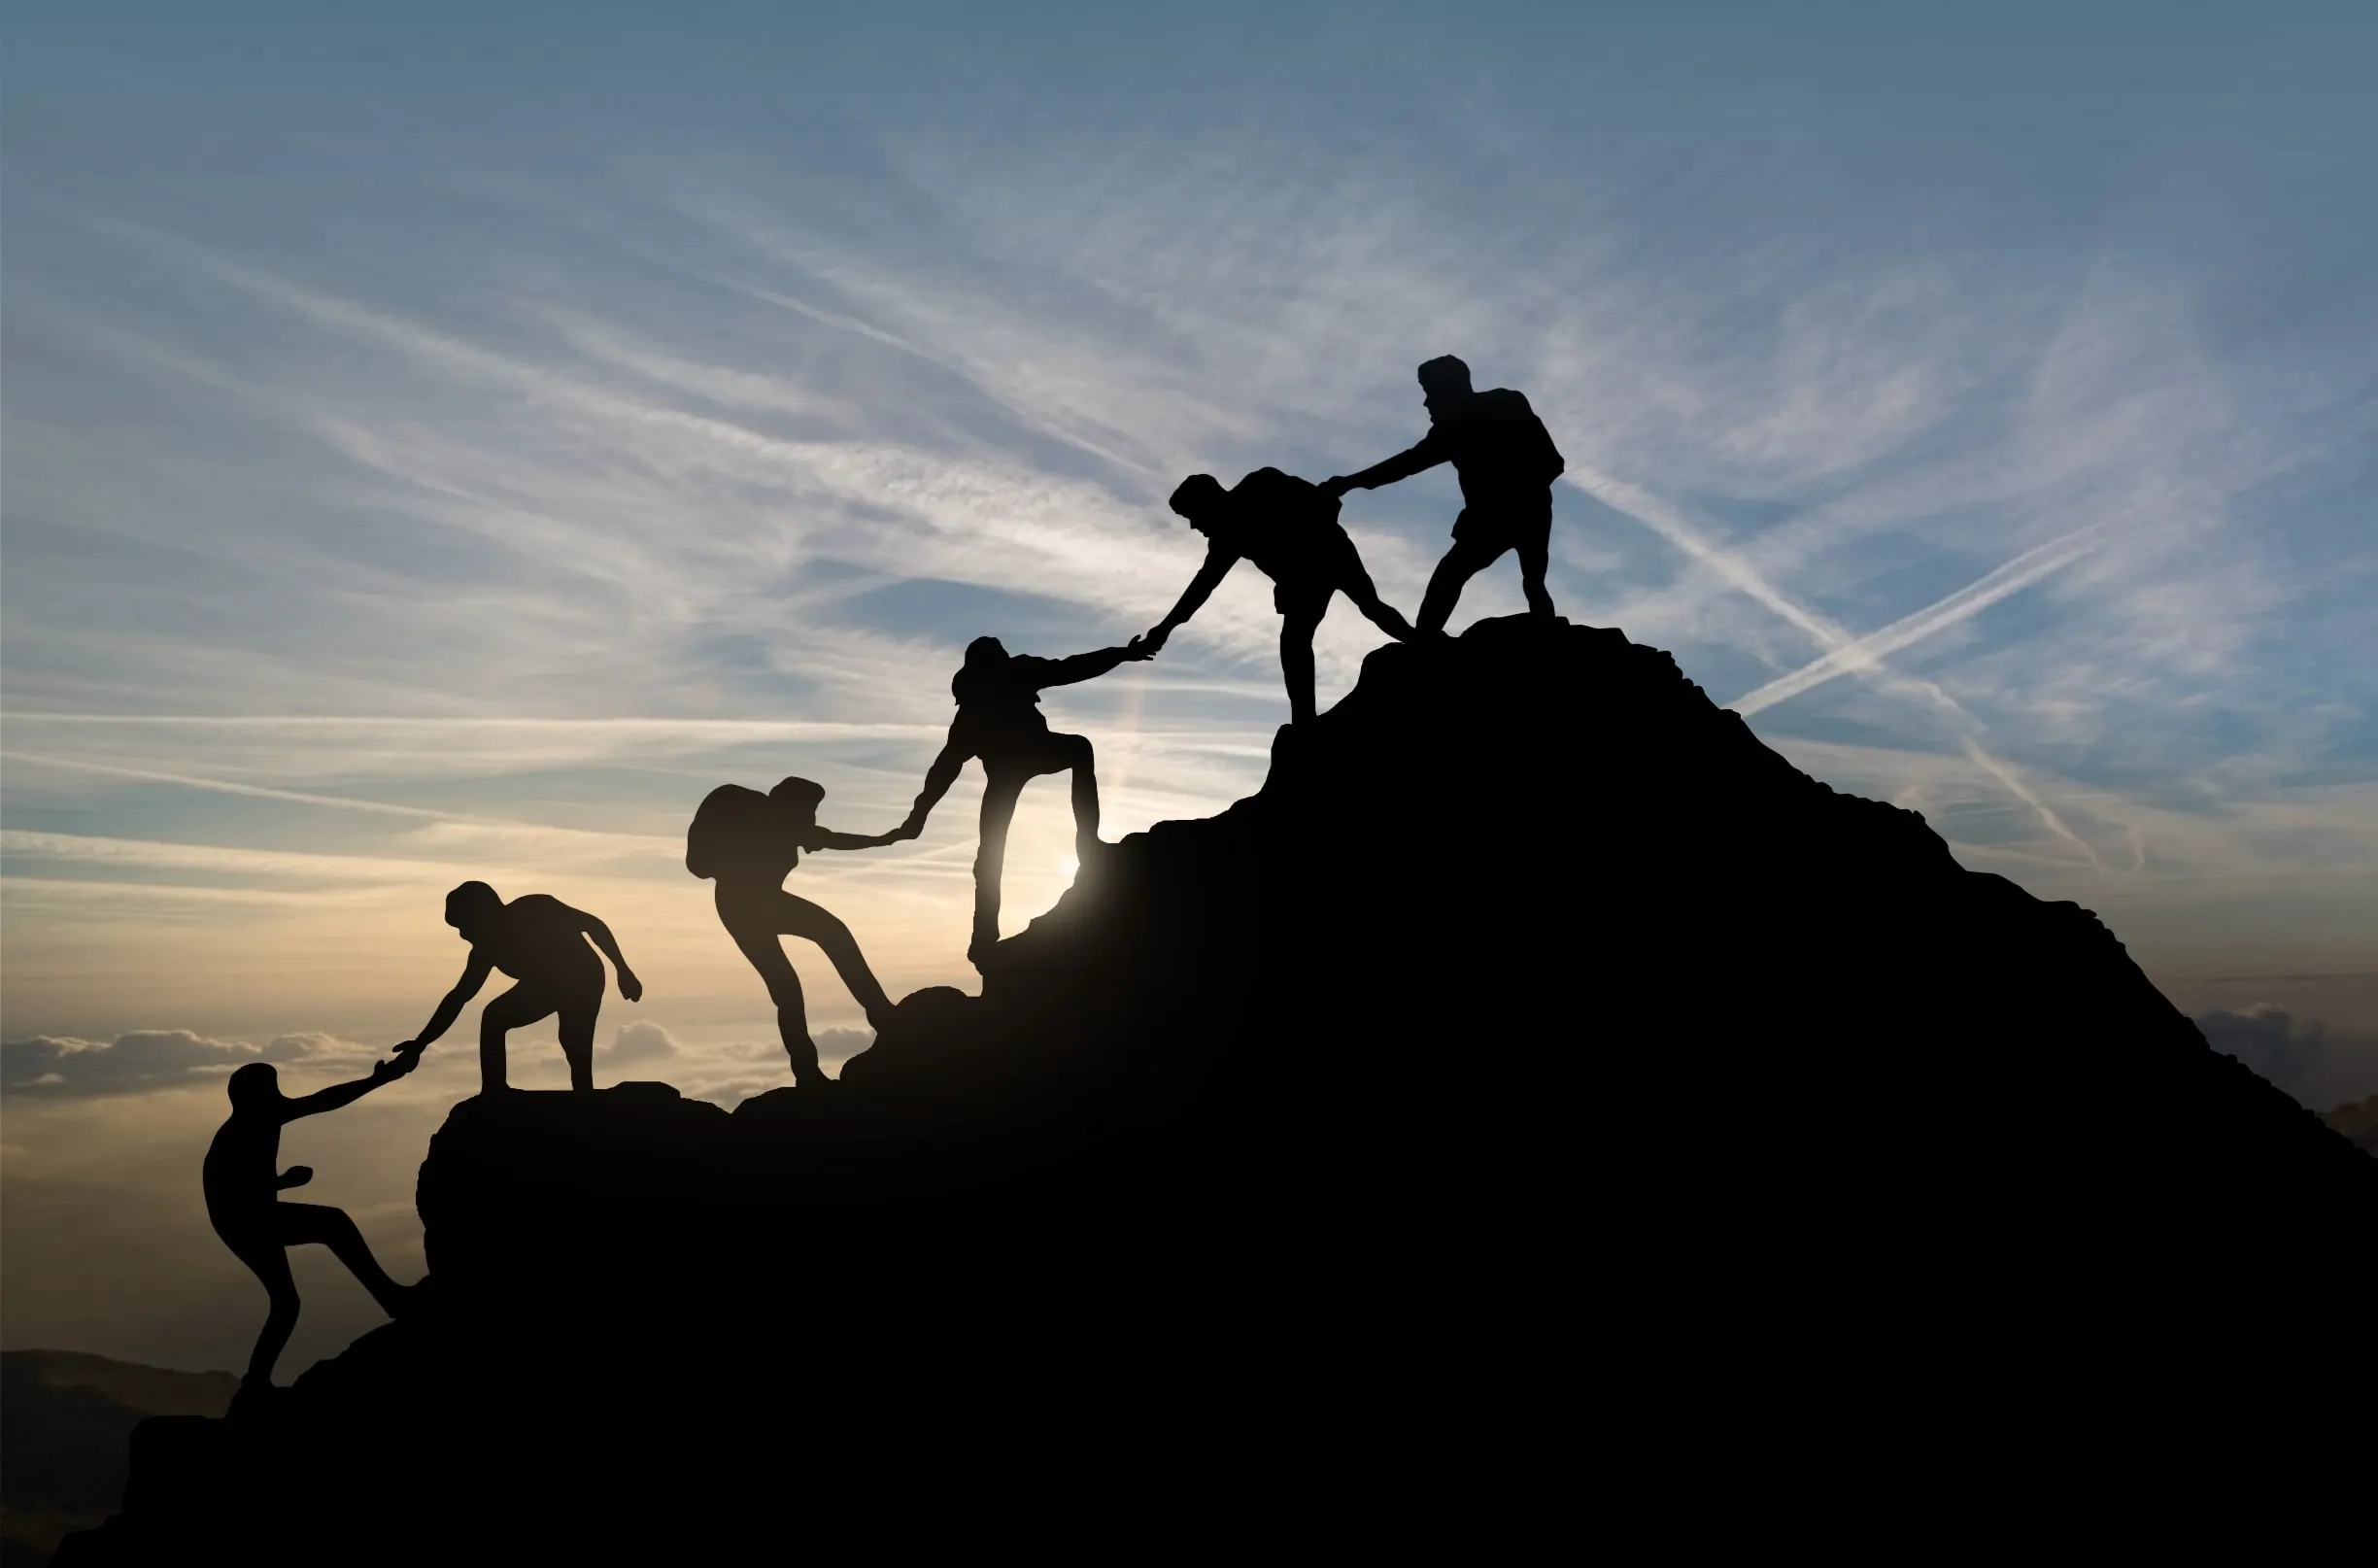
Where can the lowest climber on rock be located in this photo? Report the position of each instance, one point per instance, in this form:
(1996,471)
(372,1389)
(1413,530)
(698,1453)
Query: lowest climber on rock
(1289,529)
(748,842)
(1505,462)
(242,1176)
(541,943)
(1000,721)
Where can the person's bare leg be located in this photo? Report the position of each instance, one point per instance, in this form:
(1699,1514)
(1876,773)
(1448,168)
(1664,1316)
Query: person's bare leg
(577,1029)
(999,802)
(1534,558)
(334,1229)
(1462,563)
(516,1008)
(841,949)
(757,936)
(1297,661)
(1084,762)
(271,1266)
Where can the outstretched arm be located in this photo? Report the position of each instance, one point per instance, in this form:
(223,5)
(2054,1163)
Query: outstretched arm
(937,780)
(601,936)
(331,1099)
(474,975)
(1424,454)
(1218,562)
(1089,666)
(828,838)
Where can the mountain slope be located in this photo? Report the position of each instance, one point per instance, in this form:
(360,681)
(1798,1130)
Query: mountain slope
(1535,1028)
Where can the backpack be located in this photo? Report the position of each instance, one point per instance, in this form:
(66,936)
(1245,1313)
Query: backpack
(727,827)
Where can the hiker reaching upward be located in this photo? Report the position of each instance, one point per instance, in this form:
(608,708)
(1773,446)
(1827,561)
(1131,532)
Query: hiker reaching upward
(1000,721)
(242,1180)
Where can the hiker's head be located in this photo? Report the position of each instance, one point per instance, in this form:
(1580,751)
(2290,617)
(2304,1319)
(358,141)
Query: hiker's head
(470,906)
(800,796)
(985,651)
(1200,499)
(252,1085)
(1443,380)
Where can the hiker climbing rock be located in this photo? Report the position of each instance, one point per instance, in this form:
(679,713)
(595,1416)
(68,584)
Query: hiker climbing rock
(748,842)
(242,1176)
(1000,721)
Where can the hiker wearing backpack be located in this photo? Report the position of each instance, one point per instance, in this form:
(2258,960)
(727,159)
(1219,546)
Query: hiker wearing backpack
(1505,462)
(1000,721)
(1289,529)
(748,842)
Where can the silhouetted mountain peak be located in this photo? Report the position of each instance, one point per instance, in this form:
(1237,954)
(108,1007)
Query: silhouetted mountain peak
(1531,992)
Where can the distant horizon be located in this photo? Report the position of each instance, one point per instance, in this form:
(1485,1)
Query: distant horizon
(445,445)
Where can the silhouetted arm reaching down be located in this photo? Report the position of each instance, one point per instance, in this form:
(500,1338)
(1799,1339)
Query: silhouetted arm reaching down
(1424,454)
(937,780)
(601,936)
(474,975)
(1218,562)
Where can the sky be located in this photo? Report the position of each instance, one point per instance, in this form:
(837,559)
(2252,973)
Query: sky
(443,441)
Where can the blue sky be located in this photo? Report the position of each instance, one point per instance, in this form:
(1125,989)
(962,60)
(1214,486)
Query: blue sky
(444,441)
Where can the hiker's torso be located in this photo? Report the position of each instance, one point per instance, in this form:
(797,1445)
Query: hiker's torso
(1499,449)
(241,1172)
(743,839)
(1286,527)
(999,704)
(537,938)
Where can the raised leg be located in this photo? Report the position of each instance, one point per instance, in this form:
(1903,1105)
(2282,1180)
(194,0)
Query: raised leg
(999,802)
(1084,762)
(1462,563)
(321,1224)
(842,950)
(517,1008)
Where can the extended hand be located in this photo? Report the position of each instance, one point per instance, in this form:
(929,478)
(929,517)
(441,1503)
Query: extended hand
(629,986)
(1335,488)
(1153,640)
(1139,648)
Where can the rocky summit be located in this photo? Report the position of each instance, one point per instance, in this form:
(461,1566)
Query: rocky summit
(1536,1047)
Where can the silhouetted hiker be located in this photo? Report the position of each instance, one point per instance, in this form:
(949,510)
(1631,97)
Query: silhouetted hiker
(1289,529)
(748,842)
(242,1176)
(1505,462)
(999,720)
(541,943)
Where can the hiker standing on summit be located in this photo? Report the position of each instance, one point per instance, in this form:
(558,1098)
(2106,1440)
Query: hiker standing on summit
(1505,462)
